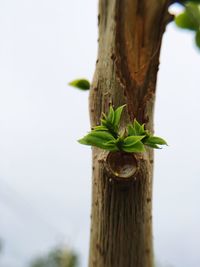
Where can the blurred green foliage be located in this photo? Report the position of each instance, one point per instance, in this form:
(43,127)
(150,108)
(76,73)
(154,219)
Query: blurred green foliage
(189,19)
(81,84)
(59,257)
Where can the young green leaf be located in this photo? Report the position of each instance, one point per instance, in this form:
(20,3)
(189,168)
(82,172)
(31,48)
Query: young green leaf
(151,145)
(111,115)
(134,148)
(136,129)
(101,135)
(156,140)
(82,84)
(104,116)
(104,122)
(131,140)
(139,128)
(131,130)
(100,128)
(99,139)
(117,116)
(111,146)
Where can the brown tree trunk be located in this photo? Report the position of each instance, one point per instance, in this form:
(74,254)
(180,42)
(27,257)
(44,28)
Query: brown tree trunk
(130,34)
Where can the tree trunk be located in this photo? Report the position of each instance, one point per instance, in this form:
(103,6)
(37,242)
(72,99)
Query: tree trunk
(130,34)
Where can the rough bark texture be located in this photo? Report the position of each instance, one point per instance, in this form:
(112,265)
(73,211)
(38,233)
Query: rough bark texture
(130,34)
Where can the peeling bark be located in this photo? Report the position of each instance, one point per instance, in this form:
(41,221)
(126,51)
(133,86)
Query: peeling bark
(130,34)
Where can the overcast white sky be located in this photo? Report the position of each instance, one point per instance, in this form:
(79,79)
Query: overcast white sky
(45,184)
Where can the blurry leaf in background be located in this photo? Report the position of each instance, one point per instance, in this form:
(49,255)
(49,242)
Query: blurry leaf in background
(81,84)
(197,38)
(184,21)
(59,257)
(189,19)
(192,1)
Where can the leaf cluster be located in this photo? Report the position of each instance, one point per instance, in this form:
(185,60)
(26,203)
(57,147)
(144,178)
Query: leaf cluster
(190,18)
(108,136)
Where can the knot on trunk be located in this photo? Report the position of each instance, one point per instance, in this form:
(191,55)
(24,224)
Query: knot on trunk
(122,166)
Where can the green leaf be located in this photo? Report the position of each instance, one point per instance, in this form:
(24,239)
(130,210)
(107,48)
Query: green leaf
(136,147)
(152,145)
(104,122)
(117,116)
(131,130)
(197,38)
(193,11)
(133,144)
(100,128)
(192,1)
(101,135)
(82,84)
(99,139)
(104,116)
(185,21)
(156,140)
(131,140)
(190,18)
(136,129)
(111,146)
(111,115)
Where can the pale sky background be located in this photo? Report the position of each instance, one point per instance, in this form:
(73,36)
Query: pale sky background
(45,175)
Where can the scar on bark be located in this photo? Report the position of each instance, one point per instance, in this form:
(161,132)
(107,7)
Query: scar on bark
(121,166)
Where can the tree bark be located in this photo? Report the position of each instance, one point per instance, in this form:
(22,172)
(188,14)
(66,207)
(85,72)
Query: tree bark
(130,34)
